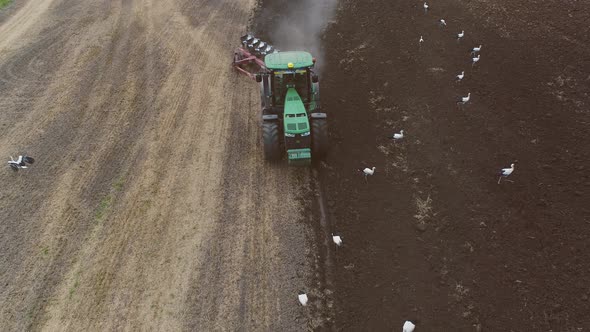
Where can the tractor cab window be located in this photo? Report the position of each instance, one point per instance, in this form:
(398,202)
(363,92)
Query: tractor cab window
(284,80)
(298,115)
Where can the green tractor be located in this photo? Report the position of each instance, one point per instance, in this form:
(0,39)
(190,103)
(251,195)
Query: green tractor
(292,119)
(291,116)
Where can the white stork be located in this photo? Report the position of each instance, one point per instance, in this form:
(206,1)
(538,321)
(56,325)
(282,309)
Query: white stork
(475,60)
(337,239)
(460,76)
(476,49)
(408,326)
(397,136)
(464,100)
(367,171)
(505,172)
(20,162)
(302,298)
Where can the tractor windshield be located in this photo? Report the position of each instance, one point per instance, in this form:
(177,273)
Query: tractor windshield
(285,79)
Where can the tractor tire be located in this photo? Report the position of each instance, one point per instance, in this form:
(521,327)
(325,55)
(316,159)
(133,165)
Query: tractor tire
(319,138)
(271,140)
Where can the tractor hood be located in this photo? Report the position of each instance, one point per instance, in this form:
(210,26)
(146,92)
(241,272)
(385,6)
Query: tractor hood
(295,115)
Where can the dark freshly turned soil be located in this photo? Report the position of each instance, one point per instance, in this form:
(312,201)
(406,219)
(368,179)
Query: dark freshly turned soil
(432,237)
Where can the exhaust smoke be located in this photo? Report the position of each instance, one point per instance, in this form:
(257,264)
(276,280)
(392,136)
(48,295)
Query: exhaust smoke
(299,25)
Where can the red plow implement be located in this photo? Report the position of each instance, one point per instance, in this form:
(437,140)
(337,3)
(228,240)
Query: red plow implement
(249,58)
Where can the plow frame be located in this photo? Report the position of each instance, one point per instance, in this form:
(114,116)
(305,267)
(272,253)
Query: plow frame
(244,59)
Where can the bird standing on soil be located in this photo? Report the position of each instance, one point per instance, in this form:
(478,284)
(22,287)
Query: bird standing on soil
(425,7)
(421,40)
(337,239)
(460,35)
(367,171)
(474,60)
(408,326)
(476,49)
(460,76)
(443,23)
(302,298)
(464,100)
(397,136)
(505,172)
(20,162)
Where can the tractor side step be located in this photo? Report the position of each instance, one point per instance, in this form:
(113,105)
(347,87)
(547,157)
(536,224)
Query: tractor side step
(269,117)
(318,115)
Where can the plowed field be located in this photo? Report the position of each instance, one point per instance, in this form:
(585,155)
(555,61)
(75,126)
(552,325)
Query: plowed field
(148,206)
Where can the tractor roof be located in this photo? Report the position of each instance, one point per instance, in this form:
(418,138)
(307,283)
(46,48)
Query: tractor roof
(281,60)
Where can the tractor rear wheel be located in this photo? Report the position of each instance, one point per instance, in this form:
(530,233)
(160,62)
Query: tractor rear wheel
(319,138)
(270,138)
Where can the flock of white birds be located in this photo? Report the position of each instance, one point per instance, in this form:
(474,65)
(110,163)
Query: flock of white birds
(369,171)
(475,57)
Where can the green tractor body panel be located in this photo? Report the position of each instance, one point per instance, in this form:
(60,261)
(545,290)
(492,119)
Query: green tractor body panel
(295,116)
(296,129)
(281,60)
(299,157)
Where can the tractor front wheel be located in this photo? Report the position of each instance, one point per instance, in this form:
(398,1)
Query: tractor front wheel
(319,138)
(270,138)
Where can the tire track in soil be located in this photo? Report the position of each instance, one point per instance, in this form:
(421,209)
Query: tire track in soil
(320,257)
(8,11)
(326,257)
(14,27)
(257,239)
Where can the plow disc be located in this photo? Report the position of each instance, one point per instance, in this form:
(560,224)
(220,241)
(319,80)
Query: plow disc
(249,58)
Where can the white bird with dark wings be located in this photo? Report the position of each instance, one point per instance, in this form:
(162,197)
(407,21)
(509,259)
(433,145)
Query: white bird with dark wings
(20,162)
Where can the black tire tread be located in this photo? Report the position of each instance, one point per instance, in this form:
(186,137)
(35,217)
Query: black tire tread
(319,138)
(270,138)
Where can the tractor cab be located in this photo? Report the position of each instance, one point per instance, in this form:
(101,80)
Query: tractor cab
(290,70)
(283,80)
